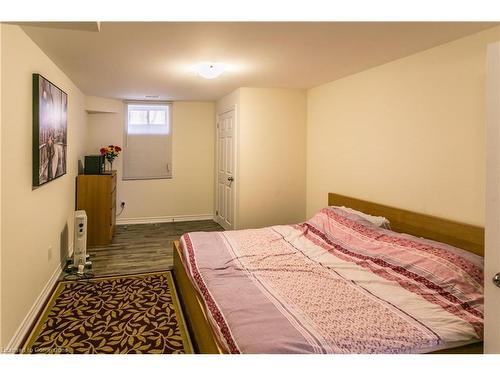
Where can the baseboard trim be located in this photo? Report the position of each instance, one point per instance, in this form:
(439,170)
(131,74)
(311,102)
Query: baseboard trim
(23,330)
(163,219)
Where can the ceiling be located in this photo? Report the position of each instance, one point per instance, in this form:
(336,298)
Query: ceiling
(132,60)
(82,26)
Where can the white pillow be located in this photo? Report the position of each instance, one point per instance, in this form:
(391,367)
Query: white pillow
(379,221)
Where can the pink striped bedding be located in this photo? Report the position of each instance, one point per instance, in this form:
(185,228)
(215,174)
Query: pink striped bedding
(335,284)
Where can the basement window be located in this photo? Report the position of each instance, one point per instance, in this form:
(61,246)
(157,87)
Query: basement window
(148,141)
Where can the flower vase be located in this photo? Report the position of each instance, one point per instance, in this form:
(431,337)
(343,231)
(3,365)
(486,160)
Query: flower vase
(108,169)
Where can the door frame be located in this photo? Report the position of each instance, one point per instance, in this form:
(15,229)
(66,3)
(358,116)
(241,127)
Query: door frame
(235,184)
(492,231)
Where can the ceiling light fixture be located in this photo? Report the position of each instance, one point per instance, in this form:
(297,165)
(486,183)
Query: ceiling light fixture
(209,70)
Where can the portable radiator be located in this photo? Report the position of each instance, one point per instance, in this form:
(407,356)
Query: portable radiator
(80,241)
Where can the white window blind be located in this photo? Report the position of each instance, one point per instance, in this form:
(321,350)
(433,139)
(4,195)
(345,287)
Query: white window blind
(148,143)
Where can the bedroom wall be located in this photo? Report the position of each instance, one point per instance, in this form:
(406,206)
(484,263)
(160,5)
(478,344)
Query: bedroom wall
(409,133)
(0,184)
(228,102)
(271,158)
(32,220)
(492,230)
(189,194)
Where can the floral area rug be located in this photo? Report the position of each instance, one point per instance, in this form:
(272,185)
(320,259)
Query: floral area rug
(123,314)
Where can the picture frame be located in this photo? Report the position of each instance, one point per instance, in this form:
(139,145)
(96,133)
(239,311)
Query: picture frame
(50,130)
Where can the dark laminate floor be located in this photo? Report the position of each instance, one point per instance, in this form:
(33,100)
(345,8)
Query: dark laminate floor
(143,247)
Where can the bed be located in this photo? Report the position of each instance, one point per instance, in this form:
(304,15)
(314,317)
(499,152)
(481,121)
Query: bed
(335,284)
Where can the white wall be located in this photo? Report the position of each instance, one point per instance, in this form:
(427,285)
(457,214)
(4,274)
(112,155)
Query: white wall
(272,157)
(492,233)
(97,105)
(1,300)
(228,102)
(32,220)
(409,133)
(271,160)
(189,194)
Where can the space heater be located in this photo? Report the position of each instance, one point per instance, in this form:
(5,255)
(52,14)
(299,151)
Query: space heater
(80,242)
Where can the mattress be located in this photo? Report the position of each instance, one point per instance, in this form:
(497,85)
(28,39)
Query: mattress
(334,284)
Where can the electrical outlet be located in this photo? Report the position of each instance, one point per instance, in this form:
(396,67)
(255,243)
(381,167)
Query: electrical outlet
(49,253)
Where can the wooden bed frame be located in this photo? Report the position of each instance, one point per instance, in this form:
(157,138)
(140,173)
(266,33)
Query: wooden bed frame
(464,236)
(200,330)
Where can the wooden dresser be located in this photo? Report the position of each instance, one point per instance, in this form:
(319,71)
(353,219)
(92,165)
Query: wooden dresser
(96,194)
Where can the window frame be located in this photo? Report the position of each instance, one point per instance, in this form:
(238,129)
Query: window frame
(170,135)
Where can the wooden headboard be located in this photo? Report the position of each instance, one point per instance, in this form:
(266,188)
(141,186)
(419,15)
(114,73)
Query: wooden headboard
(464,236)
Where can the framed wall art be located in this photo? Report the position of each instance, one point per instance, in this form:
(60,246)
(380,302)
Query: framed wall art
(50,131)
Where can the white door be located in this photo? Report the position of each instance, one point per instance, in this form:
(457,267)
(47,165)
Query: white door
(224,209)
(492,250)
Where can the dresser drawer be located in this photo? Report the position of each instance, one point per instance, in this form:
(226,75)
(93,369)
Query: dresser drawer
(113,182)
(112,216)
(113,198)
(96,194)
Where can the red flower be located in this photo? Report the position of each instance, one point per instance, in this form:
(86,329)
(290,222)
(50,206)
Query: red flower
(110,152)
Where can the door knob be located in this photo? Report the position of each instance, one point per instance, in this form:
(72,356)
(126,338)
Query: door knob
(230,179)
(496,279)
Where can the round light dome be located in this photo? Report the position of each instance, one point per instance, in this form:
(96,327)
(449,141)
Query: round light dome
(209,70)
